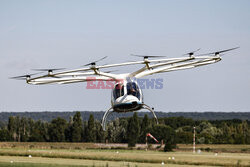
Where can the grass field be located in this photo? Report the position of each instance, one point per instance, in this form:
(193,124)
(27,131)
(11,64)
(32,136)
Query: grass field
(16,161)
(24,155)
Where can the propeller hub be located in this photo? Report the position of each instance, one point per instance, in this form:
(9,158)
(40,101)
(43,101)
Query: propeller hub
(192,53)
(27,77)
(146,59)
(50,72)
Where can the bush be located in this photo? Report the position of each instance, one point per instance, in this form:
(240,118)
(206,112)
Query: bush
(244,149)
(31,146)
(150,146)
(158,147)
(208,149)
(168,147)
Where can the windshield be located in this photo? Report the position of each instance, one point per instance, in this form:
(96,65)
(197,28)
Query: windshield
(118,91)
(132,89)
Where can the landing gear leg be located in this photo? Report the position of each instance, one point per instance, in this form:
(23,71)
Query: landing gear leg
(151,110)
(104,119)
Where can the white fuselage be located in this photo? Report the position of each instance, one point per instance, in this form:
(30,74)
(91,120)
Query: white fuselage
(126,97)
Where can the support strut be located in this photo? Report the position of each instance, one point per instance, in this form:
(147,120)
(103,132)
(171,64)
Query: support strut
(104,118)
(151,110)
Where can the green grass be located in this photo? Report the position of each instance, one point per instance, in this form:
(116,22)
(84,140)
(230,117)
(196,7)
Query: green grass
(59,162)
(81,146)
(231,148)
(22,164)
(181,158)
(92,156)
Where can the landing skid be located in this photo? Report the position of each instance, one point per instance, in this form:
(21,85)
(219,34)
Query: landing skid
(151,110)
(106,114)
(104,118)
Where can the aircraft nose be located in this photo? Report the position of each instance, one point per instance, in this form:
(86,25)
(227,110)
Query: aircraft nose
(134,103)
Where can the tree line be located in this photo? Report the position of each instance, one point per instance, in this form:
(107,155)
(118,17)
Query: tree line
(50,115)
(129,130)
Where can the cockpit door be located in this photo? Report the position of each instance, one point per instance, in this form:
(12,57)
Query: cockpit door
(133,89)
(118,91)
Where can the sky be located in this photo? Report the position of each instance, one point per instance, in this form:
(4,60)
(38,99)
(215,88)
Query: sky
(71,33)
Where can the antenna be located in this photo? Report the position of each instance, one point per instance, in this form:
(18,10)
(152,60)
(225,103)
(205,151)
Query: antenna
(194,141)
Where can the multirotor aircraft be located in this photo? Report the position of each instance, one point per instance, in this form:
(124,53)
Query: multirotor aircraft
(126,95)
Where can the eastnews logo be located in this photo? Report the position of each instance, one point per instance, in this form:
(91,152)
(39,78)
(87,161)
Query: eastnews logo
(153,83)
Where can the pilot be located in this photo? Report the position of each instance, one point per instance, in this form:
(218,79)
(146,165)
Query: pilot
(132,91)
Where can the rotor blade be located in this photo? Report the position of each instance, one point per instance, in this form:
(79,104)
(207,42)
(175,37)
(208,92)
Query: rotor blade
(101,59)
(49,69)
(191,53)
(93,63)
(111,71)
(24,76)
(218,52)
(146,56)
(88,64)
(18,78)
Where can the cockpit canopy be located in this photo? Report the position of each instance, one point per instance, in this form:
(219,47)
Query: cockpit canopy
(133,89)
(130,89)
(118,90)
